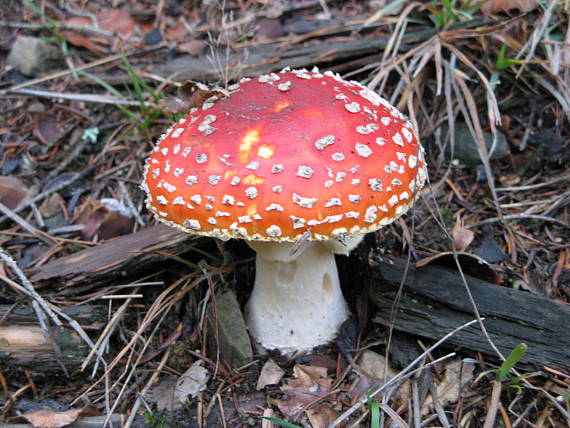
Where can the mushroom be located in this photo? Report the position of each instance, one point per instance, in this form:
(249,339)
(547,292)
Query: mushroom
(300,164)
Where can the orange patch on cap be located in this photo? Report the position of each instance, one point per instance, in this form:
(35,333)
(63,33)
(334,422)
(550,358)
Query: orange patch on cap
(247,142)
(265,151)
(230,173)
(315,113)
(281,105)
(253,179)
(251,210)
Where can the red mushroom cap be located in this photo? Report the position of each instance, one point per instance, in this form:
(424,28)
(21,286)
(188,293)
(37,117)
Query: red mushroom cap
(286,154)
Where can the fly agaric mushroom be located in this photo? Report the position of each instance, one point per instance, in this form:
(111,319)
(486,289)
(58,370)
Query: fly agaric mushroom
(289,158)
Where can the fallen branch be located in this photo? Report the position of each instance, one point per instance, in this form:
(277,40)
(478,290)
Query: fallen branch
(434,300)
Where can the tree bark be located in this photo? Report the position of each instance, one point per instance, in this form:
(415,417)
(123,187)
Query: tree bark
(23,344)
(435,301)
(114,259)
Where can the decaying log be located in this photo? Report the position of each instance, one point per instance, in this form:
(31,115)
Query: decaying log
(434,302)
(334,47)
(115,258)
(23,344)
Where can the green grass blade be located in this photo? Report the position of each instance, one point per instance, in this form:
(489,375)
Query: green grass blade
(512,359)
(374,414)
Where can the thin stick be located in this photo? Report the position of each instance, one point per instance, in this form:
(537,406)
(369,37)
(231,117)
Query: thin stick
(41,235)
(400,375)
(153,378)
(40,196)
(63,73)
(26,286)
(59,26)
(518,217)
(89,98)
(495,401)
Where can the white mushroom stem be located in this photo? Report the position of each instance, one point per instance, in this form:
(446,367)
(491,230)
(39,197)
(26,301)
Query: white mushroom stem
(297,302)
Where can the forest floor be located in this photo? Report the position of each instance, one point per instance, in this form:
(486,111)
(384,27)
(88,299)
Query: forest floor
(107,319)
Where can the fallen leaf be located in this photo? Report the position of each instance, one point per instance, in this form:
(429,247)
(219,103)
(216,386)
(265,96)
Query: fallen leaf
(169,393)
(271,374)
(497,6)
(462,237)
(190,94)
(52,419)
(471,264)
(12,191)
(162,394)
(48,130)
(373,371)
(458,374)
(310,383)
(177,31)
(52,206)
(192,47)
(321,417)
(192,381)
(107,217)
(117,21)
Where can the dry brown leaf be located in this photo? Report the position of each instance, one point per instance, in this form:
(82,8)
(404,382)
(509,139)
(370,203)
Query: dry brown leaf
(12,191)
(51,419)
(321,417)
(162,393)
(192,381)
(48,130)
(271,374)
(177,31)
(192,47)
(309,384)
(190,94)
(118,21)
(462,237)
(456,379)
(374,366)
(108,217)
(52,206)
(498,6)
(310,376)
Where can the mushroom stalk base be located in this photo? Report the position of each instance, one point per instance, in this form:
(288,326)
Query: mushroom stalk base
(297,302)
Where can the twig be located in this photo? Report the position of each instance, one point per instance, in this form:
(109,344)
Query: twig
(41,235)
(63,73)
(401,375)
(129,202)
(494,406)
(89,98)
(518,217)
(51,190)
(395,417)
(438,407)
(26,286)
(153,378)
(565,177)
(59,26)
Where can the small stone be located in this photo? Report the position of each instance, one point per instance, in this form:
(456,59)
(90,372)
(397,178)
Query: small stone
(32,56)
(234,344)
